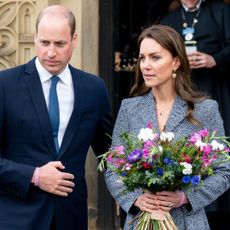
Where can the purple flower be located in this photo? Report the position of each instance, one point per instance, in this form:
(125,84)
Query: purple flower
(186,179)
(195,180)
(134,156)
(160,171)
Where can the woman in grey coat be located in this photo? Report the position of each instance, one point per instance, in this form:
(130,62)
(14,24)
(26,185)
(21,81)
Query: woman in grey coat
(163,95)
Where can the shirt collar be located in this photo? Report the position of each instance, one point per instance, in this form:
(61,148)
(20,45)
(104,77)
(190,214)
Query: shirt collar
(196,7)
(44,75)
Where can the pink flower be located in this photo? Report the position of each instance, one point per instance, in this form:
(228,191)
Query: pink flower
(204,133)
(119,150)
(206,149)
(145,153)
(195,138)
(206,161)
(150,125)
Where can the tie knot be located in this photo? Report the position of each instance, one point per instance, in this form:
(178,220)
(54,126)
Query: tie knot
(54,80)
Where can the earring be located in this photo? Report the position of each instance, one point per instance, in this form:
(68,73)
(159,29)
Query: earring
(174,74)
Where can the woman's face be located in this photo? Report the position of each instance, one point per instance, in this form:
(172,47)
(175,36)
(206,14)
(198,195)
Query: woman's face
(191,4)
(156,63)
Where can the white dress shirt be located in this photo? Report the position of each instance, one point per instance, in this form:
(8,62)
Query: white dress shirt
(65,94)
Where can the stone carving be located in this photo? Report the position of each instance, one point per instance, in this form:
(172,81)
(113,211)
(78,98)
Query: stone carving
(17,20)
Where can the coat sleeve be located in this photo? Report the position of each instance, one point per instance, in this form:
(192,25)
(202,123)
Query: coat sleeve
(217,184)
(113,181)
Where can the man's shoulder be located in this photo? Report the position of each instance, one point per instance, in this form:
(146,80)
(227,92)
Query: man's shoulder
(173,15)
(81,73)
(85,76)
(16,70)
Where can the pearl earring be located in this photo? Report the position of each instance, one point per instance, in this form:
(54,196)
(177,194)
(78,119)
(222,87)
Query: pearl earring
(174,74)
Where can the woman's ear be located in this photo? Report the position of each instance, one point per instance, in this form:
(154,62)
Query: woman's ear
(176,63)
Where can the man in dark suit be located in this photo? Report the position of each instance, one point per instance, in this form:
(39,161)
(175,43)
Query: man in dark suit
(45,136)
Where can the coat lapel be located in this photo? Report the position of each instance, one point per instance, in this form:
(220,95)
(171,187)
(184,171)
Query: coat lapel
(148,109)
(177,114)
(75,117)
(36,93)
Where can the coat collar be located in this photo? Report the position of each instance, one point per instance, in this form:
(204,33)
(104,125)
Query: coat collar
(176,116)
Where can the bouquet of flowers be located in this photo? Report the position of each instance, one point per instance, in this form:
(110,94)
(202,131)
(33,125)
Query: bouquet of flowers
(157,162)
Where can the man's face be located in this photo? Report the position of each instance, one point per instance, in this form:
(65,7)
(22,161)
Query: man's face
(54,44)
(190,3)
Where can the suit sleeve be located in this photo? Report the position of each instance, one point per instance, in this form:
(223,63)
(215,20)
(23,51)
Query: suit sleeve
(113,181)
(15,178)
(102,137)
(217,184)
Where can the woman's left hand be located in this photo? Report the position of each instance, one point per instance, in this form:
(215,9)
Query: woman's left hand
(168,200)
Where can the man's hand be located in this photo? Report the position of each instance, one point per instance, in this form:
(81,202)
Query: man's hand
(201,60)
(53,180)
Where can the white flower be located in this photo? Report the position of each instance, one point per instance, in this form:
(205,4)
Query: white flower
(126,167)
(187,168)
(201,144)
(187,171)
(167,136)
(160,149)
(146,134)
(217,146)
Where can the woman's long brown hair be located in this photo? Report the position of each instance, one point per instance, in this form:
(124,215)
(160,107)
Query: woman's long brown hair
(168,38)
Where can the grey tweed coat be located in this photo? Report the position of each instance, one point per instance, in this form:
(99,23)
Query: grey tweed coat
(134,114)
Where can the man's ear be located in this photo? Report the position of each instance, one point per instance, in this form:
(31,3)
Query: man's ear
(74,40)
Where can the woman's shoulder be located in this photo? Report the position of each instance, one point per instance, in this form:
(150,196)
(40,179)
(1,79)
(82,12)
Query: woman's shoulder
(206,107)
(206,103)
(134,102)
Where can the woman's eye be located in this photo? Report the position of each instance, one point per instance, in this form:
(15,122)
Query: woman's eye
(141,58)
(155,58)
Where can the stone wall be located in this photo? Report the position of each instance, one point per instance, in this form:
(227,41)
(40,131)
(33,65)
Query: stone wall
(17,27)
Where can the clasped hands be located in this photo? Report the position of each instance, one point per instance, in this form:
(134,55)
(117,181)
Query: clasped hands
(164,201)
(201,60)
(52,179)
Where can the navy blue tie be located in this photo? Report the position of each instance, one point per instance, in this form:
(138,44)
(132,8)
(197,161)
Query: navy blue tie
(54,110)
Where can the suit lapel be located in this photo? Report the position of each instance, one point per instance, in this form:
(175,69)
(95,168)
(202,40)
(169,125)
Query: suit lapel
(36,93)
(77,108)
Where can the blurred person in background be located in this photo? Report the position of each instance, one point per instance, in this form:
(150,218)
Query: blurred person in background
(205,29)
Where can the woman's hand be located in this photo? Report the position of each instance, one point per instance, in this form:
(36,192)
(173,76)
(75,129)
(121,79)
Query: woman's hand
(147,202)
(168,200)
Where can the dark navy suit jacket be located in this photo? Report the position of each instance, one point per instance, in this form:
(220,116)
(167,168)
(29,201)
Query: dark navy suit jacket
(26,142)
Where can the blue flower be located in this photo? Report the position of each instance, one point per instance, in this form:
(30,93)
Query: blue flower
(195,180)
(160,171)
(168,161)
(124,174)
(134,156)
(186,179)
